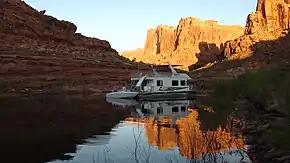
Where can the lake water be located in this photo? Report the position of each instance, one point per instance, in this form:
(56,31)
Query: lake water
(60,130)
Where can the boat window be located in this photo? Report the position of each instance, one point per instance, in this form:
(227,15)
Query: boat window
(159,83)
(183,108)
(159,110)
(182,82)
(175,109)
(174,82)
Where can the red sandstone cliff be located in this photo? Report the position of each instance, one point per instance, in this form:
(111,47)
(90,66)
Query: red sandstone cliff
(191,41)
(23,26)
(160,40)
(268,22)
(40,52)
(264,45)
(132,54)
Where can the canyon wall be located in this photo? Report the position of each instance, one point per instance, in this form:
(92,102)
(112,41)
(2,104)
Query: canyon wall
(40,53)
(160,40)
(23,26)
(198,43)
(270,21)
(190,42)
(270,15)
(265,44)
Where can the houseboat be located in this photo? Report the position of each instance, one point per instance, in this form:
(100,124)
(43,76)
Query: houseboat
(157,86)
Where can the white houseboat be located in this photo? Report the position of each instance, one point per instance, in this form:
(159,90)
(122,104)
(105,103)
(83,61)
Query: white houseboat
(156,86)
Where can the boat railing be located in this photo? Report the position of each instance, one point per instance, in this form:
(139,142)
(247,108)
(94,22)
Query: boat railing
(159,74)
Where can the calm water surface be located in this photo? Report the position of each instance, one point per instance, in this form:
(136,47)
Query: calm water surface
(121,131)
(162,131)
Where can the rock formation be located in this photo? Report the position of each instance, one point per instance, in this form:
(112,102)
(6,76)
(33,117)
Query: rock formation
(191,41)
(131,54)
(198,43)
(160,40)
(11,1)
(270,15)
(269,21)
(40,30)
(52,54)
(265,45)
(42,12)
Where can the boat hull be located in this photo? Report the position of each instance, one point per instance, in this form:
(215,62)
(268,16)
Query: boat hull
(122,95)
(172,95)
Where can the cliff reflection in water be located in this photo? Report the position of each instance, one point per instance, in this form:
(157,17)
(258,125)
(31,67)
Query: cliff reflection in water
(163,131)
(176,124)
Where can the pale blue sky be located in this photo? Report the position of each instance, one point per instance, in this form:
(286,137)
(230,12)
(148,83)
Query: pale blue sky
(124,23)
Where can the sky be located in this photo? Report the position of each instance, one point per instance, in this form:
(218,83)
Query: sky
(124,23)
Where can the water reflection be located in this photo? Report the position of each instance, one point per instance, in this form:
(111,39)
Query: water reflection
(163,131)
(173,124)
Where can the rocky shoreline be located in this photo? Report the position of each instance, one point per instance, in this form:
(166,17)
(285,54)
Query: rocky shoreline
(258,122)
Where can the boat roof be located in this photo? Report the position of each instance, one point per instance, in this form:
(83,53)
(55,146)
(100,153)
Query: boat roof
(162,74)
(165,68)
(166,65)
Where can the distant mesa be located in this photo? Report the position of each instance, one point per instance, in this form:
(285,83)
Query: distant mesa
(181,45)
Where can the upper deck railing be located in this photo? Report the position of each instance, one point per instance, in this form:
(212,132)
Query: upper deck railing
(152,74)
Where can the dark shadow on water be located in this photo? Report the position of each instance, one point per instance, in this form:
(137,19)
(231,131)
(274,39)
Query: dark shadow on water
(211,121)
(39,130)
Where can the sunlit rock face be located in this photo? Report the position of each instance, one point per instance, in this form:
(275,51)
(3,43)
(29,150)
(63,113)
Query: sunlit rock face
(192,41)
(268,22)
(270,15)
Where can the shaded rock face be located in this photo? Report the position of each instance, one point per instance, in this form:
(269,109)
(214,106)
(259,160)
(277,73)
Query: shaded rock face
(11,1)
(22,24)
(186,43)
(269,22)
